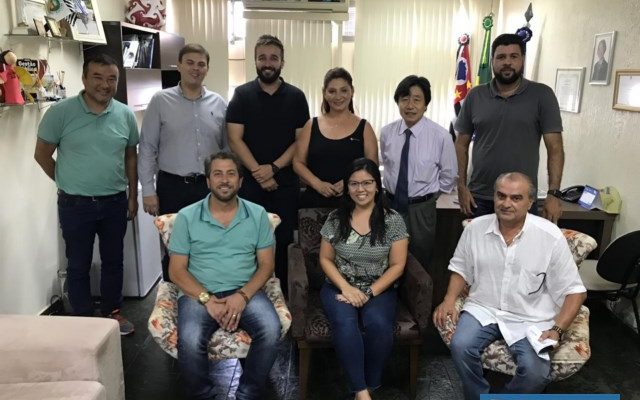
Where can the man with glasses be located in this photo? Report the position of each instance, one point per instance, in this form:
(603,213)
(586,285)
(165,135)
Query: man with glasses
(181,127)
(95,138)
(419,163)
(522,277)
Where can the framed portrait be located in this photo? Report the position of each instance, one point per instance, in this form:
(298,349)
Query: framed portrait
(568,88)
(602,58)
(82,17)
(626,93)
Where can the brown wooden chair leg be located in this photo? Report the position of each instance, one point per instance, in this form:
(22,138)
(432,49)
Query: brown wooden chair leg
(303,370)
(414,351)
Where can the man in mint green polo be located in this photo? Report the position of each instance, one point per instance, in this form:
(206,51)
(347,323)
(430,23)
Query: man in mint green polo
(222,254)
(95,138)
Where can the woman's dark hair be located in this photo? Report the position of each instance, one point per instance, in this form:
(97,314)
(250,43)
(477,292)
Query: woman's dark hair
(336,73)
(346,207)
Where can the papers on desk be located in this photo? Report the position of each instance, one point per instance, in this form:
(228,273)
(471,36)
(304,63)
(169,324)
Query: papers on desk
(541,348)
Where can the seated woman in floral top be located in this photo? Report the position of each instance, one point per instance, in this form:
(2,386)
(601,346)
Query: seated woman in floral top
(363,253)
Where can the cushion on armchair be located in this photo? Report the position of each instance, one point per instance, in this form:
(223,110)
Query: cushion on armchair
(574,349)
(163,320)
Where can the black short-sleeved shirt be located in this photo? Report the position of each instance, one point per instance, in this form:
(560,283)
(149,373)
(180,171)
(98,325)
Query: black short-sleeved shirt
(270,122)
(507,131)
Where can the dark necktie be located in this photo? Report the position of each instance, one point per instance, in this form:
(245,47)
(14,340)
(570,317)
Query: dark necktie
(401,195)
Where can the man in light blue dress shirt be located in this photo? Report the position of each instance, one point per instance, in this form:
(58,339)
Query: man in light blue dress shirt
(182,126)
(429,166)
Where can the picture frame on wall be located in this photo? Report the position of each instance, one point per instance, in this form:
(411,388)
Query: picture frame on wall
(23,14)
(626,93)
(602,58)
(568,88)
(82,17)
(42,31)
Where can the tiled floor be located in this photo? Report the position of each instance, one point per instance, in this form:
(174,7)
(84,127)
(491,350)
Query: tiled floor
(151,374)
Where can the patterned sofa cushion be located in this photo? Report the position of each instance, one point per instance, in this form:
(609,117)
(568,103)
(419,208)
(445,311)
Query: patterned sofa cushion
(574,349)
(310,221)
(163,320)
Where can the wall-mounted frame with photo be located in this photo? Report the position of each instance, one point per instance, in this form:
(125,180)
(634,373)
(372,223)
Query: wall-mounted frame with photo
(83,18)
(602,58)
(42,31)
(568,88)
(626,93)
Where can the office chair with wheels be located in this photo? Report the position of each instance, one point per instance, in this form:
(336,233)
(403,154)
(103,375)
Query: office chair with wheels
(617,273)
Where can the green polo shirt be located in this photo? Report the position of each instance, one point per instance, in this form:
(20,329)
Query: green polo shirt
(221,258)
(90,147)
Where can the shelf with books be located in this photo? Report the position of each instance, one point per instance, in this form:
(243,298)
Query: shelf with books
(147,60)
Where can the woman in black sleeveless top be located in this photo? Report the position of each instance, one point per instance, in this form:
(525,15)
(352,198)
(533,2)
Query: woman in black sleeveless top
(330,142)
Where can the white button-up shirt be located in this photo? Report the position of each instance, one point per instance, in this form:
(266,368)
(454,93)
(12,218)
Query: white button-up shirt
(518,285)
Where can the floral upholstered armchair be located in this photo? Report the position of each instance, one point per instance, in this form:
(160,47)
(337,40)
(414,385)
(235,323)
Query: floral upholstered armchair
(573,351)
(310,326)
(163,320)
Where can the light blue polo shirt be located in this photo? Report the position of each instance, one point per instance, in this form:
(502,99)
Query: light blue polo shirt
(221,258)
(91,147)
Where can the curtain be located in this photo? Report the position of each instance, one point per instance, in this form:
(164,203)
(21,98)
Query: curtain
(307,53)
(205,22)
(404,37)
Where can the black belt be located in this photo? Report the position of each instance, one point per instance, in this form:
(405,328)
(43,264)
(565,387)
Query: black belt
(93,198)
(193,178)
(415,200)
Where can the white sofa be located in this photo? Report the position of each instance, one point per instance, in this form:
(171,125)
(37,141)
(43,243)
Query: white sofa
(54,357)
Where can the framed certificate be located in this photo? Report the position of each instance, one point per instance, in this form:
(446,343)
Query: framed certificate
(626,94)
(568,88)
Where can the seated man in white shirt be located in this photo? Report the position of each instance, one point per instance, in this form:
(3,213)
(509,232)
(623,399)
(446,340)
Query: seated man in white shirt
(521,274)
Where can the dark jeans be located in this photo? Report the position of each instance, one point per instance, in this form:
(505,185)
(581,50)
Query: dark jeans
(173,195)
(284,202)
(195,327)
(363,337)
(487,207)
(81,218)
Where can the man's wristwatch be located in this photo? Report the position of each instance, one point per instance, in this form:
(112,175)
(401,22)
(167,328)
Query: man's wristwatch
(554,193)
(274,168)
(204,297)
(368,292)
(559,330)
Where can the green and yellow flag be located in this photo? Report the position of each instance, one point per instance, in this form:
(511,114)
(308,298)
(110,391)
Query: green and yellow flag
(484,69)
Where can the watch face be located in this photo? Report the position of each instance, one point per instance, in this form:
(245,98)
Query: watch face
(203,297)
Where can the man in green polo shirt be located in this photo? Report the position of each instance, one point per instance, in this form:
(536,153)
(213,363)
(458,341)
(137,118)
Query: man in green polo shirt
(95,138)
(221,256)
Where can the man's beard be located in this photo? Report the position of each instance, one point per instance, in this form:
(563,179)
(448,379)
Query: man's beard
(507,81)
(268,79)
(224,198)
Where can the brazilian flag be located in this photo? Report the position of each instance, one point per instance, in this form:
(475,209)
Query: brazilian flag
(484,69)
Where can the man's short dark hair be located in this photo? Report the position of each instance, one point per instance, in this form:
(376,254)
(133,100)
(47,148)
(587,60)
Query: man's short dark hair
(405,85)
(268,40)
(193,48)
(101,59)
(507,39)
(222,155)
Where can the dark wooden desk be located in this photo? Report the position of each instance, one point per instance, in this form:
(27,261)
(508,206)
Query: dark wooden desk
(594,223)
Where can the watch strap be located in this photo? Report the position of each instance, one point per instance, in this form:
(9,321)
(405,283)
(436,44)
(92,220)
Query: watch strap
(275,168)
(559,330)
(554,193)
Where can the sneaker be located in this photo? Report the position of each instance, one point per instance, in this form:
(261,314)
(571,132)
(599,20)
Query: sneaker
(126,327)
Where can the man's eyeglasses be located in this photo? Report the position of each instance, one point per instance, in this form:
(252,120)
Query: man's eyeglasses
(368,184)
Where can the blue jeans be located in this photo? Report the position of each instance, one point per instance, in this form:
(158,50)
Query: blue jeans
(195,327)
(81,218)
(362,337)
(485,207)
(468,343)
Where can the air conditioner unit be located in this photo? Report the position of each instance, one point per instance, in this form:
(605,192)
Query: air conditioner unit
(297,9)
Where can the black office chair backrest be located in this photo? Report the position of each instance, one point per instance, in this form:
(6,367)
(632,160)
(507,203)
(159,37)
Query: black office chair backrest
(620,262)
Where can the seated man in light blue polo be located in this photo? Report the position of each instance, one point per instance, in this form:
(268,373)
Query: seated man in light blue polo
(221,256)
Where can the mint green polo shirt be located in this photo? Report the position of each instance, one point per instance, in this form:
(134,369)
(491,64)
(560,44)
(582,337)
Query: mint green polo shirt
(90,147)
(221,258)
